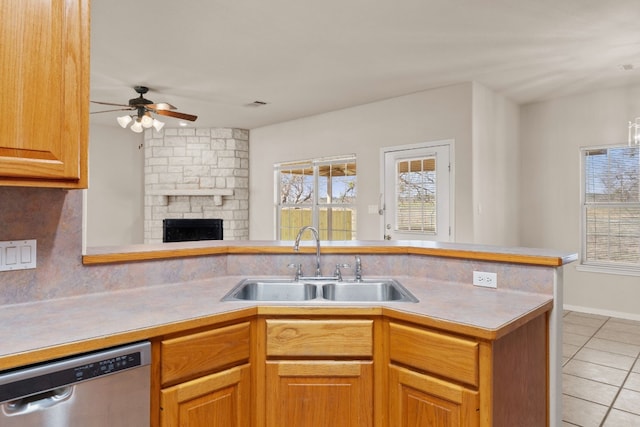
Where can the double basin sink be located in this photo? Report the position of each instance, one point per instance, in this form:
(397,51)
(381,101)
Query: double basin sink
(287,290)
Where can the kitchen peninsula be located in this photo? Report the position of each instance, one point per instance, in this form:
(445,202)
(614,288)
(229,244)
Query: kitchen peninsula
(481,356)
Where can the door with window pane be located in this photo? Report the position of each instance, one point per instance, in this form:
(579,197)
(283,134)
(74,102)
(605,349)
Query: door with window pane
(417,193)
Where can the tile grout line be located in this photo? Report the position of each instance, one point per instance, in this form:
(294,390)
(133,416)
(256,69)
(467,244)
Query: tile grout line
(620,391)
(620,387)
(572,357)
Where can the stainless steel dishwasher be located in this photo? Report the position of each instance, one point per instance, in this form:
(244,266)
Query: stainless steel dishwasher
(104,388)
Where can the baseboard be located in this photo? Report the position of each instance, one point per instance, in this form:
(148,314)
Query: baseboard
(608,313)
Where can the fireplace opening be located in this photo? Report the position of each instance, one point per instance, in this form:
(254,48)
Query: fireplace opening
(183,230)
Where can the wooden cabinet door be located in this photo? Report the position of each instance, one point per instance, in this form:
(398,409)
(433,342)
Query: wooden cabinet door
(319,394)
(417,400)
(44,82)
(217,400)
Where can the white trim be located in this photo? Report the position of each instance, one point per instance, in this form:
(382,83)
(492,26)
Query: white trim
(601,312)
(622,271)
(84,220)
(606,267)
(315,205)
(450,143)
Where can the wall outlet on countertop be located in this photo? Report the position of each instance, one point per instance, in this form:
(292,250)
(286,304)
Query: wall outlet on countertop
(487,280)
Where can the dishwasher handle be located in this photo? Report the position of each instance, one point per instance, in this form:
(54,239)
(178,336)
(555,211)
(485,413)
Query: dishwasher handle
(44,400)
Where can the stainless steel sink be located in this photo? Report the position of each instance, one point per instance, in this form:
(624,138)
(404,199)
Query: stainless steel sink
(283,290)
(367,290)
(267,290)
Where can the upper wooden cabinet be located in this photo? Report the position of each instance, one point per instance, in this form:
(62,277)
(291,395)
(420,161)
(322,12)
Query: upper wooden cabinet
(44,93)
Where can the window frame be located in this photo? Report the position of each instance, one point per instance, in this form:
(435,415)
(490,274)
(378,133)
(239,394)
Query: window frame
(600,266)
(316,205)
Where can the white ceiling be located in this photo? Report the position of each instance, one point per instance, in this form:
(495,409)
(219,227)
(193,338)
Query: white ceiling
(303,57)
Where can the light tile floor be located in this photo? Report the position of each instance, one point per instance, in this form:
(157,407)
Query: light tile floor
(601,371)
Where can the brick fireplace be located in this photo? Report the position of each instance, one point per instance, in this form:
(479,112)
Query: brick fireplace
(197,174)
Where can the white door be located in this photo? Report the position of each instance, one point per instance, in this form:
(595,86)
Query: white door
(417,193)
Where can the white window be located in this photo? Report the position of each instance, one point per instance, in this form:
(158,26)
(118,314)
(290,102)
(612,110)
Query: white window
(319,192)
(611,208)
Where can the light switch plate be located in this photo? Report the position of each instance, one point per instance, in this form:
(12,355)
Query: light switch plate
(17,255)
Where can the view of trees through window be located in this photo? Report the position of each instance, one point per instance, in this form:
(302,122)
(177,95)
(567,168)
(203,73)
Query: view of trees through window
(611,206)
(416,192)
(319,192)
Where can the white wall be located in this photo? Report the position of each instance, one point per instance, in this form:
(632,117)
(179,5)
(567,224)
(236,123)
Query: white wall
(551,135)
(495,168)
(433,115)
(115,199)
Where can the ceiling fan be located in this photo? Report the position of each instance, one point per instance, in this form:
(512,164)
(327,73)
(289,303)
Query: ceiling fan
(144,107)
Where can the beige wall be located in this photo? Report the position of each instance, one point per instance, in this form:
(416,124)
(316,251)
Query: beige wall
(115,199)
(433,115)
(483,125)
(551,135)
(495,169)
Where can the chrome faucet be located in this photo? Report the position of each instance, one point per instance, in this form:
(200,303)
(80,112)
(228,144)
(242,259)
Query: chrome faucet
(358,269)
(296,245)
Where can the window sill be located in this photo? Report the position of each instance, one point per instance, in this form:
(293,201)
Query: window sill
(623,271)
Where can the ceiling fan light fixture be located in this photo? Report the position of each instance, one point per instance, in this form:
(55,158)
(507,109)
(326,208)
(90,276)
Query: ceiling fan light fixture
(137,126)
(124,120)
(146,121)
(143,118)
(157,124)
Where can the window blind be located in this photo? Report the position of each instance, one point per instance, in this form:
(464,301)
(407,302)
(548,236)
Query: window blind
(611,207)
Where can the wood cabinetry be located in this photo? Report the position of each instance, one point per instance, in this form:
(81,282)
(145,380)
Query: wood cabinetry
(439,379)
(432,379)
(216,400)
(206,378)
(44,82)
(329,382)
(319,393)
(420,400)
(373,371)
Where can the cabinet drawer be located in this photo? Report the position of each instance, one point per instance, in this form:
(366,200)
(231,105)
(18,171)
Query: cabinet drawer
(204,352)
(320,338)
(441,354)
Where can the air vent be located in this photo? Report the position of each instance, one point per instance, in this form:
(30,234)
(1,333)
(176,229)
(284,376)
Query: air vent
(257,104)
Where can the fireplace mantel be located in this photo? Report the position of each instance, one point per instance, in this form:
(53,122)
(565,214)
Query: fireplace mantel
(216,193)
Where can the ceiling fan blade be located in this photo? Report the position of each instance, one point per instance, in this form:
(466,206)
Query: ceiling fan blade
(109,111)
(177,115)
(110,103)
(161,106)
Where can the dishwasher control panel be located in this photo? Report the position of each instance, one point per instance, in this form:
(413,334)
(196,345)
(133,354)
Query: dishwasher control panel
(106,366)
(32,380)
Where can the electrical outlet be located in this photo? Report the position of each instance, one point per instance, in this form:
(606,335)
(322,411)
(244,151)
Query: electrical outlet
(487,280)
